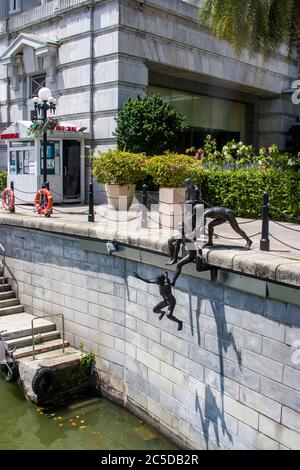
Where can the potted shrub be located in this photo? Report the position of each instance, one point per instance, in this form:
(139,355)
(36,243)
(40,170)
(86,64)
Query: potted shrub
(119,172)
(169,172)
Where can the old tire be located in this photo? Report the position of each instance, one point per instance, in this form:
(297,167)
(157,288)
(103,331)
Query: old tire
(43,382)
(11,373)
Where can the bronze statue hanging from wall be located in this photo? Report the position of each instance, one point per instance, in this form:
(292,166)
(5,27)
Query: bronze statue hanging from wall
(169,301)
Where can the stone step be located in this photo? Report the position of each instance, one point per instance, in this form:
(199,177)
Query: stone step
(49,358)
(10,294)
(5,287)
(40,348)
(40,338)
(19,325)
(5,303)
(11,310)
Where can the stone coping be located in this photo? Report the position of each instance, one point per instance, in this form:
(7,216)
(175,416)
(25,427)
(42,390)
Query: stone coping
(262,265)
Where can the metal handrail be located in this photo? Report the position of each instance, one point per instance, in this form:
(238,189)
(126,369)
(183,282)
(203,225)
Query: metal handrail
(47,316)
(6,267)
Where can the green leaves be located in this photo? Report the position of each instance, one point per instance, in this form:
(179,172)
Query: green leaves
(258,25)
(170,170)
(117,167)
(242,190)
(148,125)
(3,180)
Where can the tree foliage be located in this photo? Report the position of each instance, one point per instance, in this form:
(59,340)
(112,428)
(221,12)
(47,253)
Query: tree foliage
(259,25)
(148,125)
(117,167)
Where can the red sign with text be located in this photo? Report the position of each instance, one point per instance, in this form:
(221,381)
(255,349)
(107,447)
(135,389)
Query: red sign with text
(13,135)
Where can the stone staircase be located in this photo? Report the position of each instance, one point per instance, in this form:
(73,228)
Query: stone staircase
(52,356)
(16,332)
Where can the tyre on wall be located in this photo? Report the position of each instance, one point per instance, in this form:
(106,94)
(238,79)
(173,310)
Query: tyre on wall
(44,382)
(10,371)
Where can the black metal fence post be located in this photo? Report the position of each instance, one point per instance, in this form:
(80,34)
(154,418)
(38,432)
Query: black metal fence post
(91,217)
(12,186)
(265,240)
(144,209)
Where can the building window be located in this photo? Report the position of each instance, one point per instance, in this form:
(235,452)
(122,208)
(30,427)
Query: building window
(14,6)
(36,83)
(223,119)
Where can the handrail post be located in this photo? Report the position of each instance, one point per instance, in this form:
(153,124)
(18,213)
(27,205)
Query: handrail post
(32,335)
(265,240)
(91,217)
(47,316)
(12,186)
(144,208)
(63,331)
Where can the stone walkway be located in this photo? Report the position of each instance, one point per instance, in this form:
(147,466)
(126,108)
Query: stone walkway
(287,233)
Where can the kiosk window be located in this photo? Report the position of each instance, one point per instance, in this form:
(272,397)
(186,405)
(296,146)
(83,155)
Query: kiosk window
(29,166)
(53,156)
(22,162)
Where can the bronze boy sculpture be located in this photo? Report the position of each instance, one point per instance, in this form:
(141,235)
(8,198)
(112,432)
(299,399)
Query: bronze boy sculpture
(219,216)
(169,301)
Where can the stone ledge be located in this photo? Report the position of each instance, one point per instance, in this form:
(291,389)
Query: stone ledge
(254,263)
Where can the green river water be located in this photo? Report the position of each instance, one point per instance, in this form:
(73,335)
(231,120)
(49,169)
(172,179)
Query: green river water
(91,424)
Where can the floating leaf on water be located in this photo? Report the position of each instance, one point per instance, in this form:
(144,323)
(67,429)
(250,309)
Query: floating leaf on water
(73,424)
(82,421)
(61,425)
(52,414)
(77,417)
(82,427)
(96,433)
(145,433)
(41,412)
(59,417)
(55,419)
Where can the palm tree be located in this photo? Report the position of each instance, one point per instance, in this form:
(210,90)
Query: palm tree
(258,25)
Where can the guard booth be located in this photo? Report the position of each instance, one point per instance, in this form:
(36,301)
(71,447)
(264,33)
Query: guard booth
(65,162)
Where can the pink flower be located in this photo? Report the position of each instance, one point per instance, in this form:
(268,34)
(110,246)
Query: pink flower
(187,151)
(298,155)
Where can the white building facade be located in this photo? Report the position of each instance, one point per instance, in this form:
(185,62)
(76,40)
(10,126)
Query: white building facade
(95,54)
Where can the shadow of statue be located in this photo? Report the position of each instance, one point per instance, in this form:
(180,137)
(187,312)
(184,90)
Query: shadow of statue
(212,416)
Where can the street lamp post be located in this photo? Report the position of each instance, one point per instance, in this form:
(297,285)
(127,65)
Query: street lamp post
(42,104)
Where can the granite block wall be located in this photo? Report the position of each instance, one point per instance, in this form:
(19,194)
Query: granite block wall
(229,380)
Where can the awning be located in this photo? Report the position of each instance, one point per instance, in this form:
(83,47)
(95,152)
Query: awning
(19,131)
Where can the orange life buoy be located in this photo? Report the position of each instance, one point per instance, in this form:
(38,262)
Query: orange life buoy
(8,200)
(44,202)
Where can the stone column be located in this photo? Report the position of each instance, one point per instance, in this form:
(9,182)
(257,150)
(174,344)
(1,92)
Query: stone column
(276,116)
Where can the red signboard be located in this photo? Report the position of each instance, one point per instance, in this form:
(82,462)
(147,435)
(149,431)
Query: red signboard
(66,128)
(13,135)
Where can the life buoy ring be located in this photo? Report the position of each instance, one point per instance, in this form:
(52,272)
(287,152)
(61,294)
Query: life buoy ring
(43,382)
(44,202)
(8,200)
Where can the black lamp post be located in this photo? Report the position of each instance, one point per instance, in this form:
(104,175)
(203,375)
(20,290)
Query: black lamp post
(42,104)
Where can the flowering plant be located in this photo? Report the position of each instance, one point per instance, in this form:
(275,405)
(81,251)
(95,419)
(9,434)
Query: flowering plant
(272,157)
(37,128)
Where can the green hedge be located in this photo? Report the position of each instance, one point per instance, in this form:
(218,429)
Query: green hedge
(242,190)
(3,180)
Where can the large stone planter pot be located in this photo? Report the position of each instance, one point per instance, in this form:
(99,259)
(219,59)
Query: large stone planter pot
(120,197)
(171,207)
